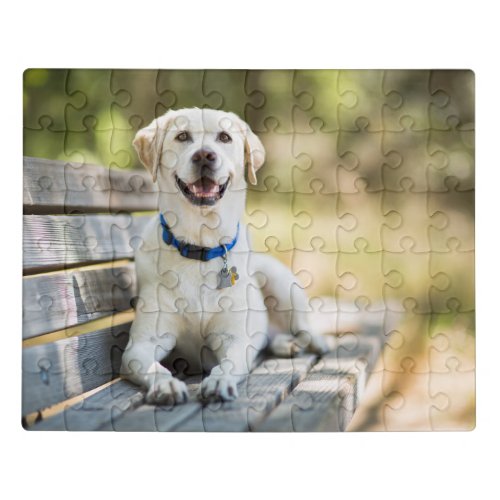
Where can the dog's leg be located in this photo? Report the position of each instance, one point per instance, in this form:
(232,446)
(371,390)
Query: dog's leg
(141,365)
(231,355)
(282,285)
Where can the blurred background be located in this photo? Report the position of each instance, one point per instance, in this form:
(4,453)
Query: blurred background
(367,193)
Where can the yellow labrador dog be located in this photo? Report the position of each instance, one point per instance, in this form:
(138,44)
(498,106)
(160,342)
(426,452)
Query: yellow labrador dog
(201,289)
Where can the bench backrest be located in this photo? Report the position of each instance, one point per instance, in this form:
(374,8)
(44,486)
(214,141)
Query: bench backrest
(81,225)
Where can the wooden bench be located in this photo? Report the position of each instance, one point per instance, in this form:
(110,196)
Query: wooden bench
(81,226)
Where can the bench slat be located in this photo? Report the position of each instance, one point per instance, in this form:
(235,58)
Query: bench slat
(150,418)
(316,404)
(59,370)
(57,187)
(63,299)
(56,242)
(327,398)
(96,412)
(263,390)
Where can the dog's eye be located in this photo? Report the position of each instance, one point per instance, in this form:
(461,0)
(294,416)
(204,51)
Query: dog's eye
(183,136)
(224,137)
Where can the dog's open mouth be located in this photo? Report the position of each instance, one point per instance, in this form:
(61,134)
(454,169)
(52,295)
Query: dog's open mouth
(204,191)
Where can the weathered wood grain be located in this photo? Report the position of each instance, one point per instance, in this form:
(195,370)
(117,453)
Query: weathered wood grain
(264,389)
(57,187)
(353,373)
(279,395)
(150,418)
(327,398)
(59,370)
(96,412)
(315,404)
(259,393)
(58,300)
(56,242)
(165,418)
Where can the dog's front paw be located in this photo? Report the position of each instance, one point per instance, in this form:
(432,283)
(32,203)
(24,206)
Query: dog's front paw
(218,388)
(167,390)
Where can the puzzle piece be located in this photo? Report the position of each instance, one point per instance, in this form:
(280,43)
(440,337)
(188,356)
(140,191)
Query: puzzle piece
(322,98)
(271,114)
(328,174)
(412,99)
(452,335)
(43,88)
(455,88)
(139,109)
(362,209)
(456,402)
(366,195)
(282,158)
(453,231)
(366,87)
(372,157)
(414,160)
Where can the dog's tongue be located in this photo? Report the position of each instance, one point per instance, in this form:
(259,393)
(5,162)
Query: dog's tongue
(204,187)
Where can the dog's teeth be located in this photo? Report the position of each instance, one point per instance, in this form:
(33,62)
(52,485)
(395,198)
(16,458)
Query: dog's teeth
(204,190)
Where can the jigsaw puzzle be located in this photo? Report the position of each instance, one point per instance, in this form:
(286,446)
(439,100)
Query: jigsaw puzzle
(231,250)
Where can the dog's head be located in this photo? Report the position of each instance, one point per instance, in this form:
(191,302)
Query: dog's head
(200,154)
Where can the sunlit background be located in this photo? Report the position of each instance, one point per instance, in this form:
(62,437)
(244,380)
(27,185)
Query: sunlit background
(367,194)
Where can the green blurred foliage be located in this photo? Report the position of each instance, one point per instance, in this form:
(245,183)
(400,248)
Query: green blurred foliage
(371,172)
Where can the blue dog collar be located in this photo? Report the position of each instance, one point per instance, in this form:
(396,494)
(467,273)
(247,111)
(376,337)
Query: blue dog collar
(194,251)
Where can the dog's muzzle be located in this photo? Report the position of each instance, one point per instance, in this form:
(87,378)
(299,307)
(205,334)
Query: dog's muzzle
(203,192)
(205,159)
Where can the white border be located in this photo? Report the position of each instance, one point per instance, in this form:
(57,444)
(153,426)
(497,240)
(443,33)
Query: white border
(257,34)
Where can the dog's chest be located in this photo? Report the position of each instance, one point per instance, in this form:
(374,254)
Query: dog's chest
(194,286)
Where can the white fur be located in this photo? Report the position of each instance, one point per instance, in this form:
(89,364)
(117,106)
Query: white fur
(180,311)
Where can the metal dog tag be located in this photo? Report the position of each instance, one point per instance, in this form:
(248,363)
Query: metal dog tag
(227,277)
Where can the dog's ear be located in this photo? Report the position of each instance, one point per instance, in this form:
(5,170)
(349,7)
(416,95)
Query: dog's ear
(148,143)
(255,154)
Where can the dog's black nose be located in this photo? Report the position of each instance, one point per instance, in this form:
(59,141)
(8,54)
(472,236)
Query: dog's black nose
(204,158)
